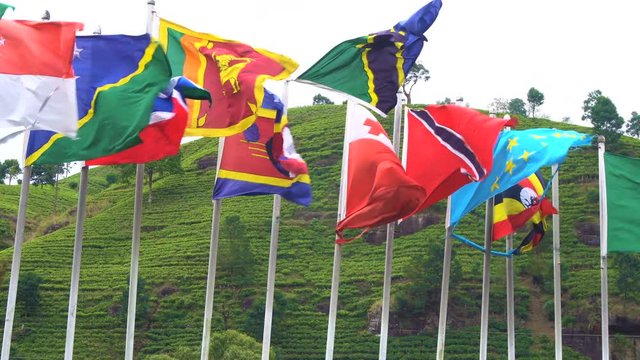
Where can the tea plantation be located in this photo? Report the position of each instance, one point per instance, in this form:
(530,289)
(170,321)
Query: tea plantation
(174,255)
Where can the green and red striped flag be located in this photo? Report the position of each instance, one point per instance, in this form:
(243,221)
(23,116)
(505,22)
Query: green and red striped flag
(623,203)
(3,8)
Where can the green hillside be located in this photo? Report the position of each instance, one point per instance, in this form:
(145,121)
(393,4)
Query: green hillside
(174,254)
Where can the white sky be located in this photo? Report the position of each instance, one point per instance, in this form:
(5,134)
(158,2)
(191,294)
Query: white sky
(477,49)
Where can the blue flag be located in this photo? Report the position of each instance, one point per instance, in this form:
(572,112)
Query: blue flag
(517,155)
(414,29)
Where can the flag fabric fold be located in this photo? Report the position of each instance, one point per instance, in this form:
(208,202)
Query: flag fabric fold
(371,69)
(262,160)
(36,76)
(378,189)
(622,176)
(522,203)
(5,7)
(517,155)
(233,72)
(447,147)
(118,79)
(162,136)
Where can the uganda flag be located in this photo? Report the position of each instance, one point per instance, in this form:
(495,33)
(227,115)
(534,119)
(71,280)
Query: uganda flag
(371,68)
(517,205)
(233,72)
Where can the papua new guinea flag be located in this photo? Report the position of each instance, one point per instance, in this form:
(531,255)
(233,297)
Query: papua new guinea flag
(262,160)
(233,72)
(118,79)
(372,68)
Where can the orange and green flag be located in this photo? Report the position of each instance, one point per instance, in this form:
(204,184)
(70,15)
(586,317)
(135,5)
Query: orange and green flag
(233,72)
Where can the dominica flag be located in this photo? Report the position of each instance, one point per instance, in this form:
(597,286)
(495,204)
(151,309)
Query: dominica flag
(118,79)
(372,68)
(233,72)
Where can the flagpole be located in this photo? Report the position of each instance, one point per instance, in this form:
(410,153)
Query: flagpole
(75,265)
(15,263)
(337,250)
(557,276)
(604,288)
(135,236)
(486,279)
(444,289)
(386,288)
(213,259)
(273,252)
(511,326)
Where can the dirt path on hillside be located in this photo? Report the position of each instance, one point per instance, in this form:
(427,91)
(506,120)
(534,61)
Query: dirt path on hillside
(537,322)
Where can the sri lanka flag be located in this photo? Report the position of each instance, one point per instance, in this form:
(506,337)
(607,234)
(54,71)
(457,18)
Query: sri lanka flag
(118,78)
(36,77)
(233,72)
(518,205)
(262,160)
(372,68)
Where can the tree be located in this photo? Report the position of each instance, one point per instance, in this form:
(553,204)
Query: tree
(446,101)
(3,173)
(517,106)
(499,105)
(603,114)
(234,345)
(633,126)
(170,165)
(29,292)
(142,302)
(627,281)
(535,99)
(239,261)
(417,73)
(319,99)
(12,169)
(45,174)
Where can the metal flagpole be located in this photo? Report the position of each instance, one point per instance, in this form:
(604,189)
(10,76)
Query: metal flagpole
(386,288)
(511,326)
(337,250)
(557,277)
(444,290)
(135,236)
(15,263)
(75,266)
(604,288)
(213,259)
(486,279)
(273,253)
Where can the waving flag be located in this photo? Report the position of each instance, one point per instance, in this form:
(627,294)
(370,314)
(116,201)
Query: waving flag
(518,154)
(36,77)
(3,8)
(622,176)
(378,189)
(520,204)
(162,136)
(262,160)
(372,68)
(448,146)
(233,72)
(118,79)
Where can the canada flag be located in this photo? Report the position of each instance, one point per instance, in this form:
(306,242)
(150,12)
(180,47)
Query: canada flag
(378,189)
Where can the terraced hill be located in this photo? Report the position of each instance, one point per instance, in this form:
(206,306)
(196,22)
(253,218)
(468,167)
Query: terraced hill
(174,253)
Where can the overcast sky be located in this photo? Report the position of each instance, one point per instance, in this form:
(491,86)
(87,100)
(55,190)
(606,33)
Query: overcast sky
(479,50)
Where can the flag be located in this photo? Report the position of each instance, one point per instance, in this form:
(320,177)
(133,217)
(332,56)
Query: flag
(372,68)
(520,204)
(233,72)
(517,155)
(378,189)
(36,76)
(118,79)
(162,136)
(448,146)
(4,7)
(263,160)
(622,176)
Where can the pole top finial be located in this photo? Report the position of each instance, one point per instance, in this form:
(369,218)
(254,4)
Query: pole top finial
(46,16)
(601,139)
(151,2)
